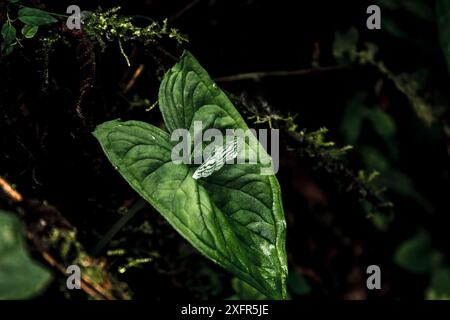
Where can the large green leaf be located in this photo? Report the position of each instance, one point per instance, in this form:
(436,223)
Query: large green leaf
(188,94)
(244,291)
(235,216)
(20,277)
(443,20)
(35,17)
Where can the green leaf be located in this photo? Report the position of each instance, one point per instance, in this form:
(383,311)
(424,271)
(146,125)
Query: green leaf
(395,28)
(187,93)
(12,1)
(8,50)
(298,284)
(389,4)
(352,120)
(440,285)
(443,21)
(244,291)
(345,46)
(385,127)
(399,182)
(35,17)
(419,8)
(20,277)
(235,216)
(374,159)
(417,255)
(8,34)
(29,31)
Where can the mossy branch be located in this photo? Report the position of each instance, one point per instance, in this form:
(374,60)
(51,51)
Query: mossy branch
(56,239)
(313,148)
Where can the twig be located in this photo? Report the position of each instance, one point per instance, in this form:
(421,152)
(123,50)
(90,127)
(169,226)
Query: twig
(117,226)
(89,286)
(85,286)
(133,79)
(188,7)
(316,155)
(257,76)
(10,191)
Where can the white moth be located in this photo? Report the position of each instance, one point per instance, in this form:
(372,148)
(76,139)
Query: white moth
(220,155)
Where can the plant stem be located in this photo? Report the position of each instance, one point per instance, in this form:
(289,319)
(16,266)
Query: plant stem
(118,225)
(50,13)
(256,76)
(123,53)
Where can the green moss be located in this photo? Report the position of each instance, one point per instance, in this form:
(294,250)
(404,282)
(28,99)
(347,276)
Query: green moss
(107,26)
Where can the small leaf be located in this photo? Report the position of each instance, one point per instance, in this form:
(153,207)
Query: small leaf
(29,31)
(35,17)
(351,123)
(440,284)
(9,36)
(443,21)
(20,277)
(235,216)
(345,46)
(8,50)
(420,9)
(395,28)
(298,284)
(417,255)
(13,1)
(8,33)
(385,127)
(374,159)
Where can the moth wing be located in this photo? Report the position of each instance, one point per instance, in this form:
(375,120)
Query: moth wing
(232,149)
(213,163)
(220,156)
